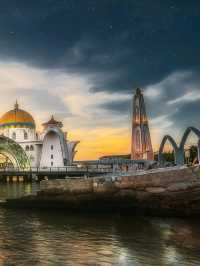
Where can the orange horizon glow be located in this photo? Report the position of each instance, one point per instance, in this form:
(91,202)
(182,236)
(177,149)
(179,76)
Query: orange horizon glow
(103,142)
(100,142)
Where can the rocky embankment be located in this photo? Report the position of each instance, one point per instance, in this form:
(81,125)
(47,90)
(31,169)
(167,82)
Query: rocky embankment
(175,191)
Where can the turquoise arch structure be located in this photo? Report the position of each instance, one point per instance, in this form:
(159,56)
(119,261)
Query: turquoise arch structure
(186,135)
(179,150)
(14,152)
(162,145)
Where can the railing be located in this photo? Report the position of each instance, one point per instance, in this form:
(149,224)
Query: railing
(73,170)
(57,169)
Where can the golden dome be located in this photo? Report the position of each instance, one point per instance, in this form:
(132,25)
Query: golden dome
(17,118)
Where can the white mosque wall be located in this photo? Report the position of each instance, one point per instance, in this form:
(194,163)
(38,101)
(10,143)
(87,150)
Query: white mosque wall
(38,153)
(20,134)
(51,151)
(33,151)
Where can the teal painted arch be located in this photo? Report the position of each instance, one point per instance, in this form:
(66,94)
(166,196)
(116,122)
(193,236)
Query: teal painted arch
(171,140)
(186,134)
(174,146)
(14,152)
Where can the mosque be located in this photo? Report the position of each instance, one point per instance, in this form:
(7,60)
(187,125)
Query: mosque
(22,146)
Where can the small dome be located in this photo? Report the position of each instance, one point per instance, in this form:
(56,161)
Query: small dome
(52,122)
(17,118)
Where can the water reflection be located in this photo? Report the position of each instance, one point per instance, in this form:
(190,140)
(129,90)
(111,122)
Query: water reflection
(15,190)
(58,238)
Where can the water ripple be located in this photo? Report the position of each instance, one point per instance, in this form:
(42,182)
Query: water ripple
(57,238)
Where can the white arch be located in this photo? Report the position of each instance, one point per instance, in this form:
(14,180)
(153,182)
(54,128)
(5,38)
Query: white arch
(60,151)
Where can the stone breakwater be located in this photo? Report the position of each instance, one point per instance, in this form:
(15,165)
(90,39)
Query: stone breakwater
(175,191)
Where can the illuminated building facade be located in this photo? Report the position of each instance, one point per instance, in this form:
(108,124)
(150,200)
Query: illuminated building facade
(22,146)
(141,147)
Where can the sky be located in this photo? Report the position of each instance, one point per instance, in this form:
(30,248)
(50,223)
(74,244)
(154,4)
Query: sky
(82,61)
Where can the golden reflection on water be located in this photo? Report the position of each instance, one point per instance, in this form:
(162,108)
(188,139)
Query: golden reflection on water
(2,260)
(170,256)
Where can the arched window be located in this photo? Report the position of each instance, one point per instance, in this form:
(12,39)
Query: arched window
(27,148)
(137,114)
(25,135)
(138,143)
(14,135)
(31,148)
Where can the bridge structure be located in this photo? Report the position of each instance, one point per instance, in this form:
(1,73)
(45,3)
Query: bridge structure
(90,168)
(179,149)
(51,172)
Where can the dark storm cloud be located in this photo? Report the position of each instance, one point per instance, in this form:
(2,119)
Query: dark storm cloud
(187,115)
(140,41)
(120,106)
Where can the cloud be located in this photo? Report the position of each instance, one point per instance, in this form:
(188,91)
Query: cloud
(120,106)
(172,84)
(152,92)
(162,122)
(189,96)
(167,91)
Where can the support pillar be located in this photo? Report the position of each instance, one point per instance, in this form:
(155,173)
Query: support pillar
(179,156)
(198,151)
(160,159)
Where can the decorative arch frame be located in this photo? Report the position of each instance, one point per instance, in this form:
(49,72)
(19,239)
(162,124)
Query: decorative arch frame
(173,144)
(14,152)
(171,140)
(187,133)
(71,148)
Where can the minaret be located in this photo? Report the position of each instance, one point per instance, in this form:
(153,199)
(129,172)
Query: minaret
(141,140)
(16,106)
